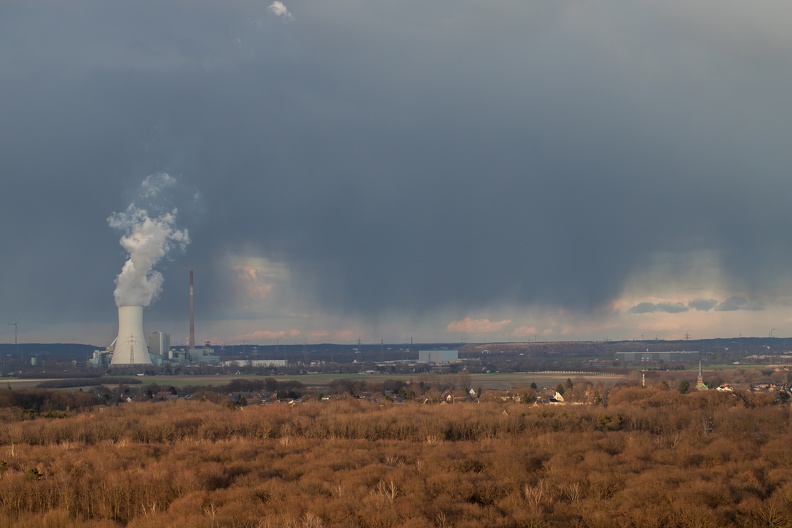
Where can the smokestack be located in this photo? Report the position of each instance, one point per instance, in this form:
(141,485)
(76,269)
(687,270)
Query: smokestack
(192,314)
(130,345)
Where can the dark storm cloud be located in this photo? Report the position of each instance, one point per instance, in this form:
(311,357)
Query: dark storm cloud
(703,305)
(397,156)
(738,303)
(649,307)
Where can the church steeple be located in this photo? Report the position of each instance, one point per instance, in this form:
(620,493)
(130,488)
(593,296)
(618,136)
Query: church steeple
(700,385)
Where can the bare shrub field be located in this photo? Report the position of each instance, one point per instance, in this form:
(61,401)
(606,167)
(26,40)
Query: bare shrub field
(648,458)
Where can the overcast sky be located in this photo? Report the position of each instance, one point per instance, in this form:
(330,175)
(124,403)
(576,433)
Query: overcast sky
(446,170)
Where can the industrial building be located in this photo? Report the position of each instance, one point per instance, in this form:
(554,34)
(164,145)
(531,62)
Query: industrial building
(647,356)
(100,358)
(159,343)
(437,356)
(201,355)
(161,354)
(263,363)
(130,348)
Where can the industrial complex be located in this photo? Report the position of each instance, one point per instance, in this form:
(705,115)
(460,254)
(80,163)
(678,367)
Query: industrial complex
(131,347)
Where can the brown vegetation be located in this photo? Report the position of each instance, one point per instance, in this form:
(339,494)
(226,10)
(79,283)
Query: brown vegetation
(648,458)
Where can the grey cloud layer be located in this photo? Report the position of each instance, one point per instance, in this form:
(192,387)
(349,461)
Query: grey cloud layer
(649,307)
(703,305)
(731,304)
(739,303)
(398,156)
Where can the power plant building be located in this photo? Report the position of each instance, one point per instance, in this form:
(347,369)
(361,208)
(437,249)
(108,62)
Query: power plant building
(159,343)
(203,355)
(131,347)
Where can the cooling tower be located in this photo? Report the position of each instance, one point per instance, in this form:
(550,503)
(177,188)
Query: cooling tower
(130,345)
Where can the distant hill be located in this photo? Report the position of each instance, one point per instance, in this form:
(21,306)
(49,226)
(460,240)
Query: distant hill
(719,346)
(725,348)
(60,351)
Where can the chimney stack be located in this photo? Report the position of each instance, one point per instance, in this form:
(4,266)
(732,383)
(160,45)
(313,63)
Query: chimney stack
(192,314)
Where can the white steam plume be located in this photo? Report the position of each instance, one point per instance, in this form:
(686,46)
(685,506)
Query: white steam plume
(280,10)
(147,240)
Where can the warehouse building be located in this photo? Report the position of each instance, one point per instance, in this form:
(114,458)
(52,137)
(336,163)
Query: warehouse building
(437,356)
